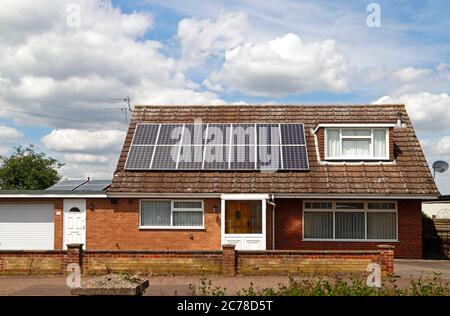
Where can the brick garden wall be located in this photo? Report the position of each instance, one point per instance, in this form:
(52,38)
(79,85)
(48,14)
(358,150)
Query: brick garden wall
(288,233)
(153,262)
(52,262)
(227,261)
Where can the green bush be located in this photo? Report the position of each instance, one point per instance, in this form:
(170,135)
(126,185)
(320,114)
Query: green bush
(307,285)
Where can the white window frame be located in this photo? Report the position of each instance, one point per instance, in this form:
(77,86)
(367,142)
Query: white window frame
(172,209)
(364,210)
(341,138)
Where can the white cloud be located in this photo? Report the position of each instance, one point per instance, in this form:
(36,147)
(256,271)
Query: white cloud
(439,149)
(85,158)
(409,74)
(204,38)
(51,68)
(84,141)
(9,134)
(282,66)
(428,112)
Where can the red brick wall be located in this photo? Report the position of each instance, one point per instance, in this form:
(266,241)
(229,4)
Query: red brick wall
(116,227)
(228,262)
(288,234)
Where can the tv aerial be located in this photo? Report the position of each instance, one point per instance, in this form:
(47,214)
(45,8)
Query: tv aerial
(125,108)
(439,166)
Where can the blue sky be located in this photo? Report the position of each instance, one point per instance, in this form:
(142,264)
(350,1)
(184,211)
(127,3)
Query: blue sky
(248,51)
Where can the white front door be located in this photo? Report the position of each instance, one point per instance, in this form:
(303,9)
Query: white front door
(74,222)
(244,221)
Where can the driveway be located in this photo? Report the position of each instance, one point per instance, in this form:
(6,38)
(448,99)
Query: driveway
(179,285)
(408,269)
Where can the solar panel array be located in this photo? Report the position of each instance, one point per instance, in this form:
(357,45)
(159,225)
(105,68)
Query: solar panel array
(246,146)
(80,185)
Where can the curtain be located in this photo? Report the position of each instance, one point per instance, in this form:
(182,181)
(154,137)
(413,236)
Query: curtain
(333,143)
(318,225)
(379,142)
(350,225)
(155,213)
(187,218)
(356,147)
(381,225)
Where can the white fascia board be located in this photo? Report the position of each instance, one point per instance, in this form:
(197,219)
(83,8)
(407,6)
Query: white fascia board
(162,195)
(356,196)
(244,197)
(354,125)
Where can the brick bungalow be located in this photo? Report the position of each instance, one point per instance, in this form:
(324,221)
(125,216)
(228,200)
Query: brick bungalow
(357,182)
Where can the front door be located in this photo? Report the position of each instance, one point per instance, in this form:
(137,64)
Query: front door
(74,222)
(244,223)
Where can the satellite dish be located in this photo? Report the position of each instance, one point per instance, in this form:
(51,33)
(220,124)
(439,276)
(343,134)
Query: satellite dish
(440,166)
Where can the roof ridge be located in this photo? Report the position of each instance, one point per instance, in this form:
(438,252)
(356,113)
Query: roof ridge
(270,105)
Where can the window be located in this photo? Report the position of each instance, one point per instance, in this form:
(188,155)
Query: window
(318,225)
(168,214)
(350,220)
(356,143)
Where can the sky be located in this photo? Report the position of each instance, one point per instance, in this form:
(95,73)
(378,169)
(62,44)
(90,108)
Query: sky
(66,66)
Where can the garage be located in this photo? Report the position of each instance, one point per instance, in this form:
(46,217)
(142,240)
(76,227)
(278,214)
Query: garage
(26,226)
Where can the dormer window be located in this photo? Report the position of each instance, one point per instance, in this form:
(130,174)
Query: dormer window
(356,143)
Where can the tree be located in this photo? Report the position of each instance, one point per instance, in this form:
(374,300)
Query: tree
(27,169)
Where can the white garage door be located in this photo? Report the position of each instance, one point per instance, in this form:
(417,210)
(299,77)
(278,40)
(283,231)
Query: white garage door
(26,226)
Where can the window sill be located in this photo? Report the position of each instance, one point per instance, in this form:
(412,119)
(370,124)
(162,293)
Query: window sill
(351,240)
(171,227)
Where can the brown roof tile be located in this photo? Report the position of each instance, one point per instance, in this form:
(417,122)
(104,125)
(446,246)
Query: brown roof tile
(409,174)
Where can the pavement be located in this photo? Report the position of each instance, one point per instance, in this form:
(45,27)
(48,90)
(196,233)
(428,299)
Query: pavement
(179,285)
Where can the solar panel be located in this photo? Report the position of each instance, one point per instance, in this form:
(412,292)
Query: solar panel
(292,134)
(243,158)
(66,185)
(194,134)
(94,185)
(243,146)
(170,134)
(268,134)
(218,134)
(191,158)
(145,134)
(216,158)
(165,157)
(295,157)
(269,158)
(139,157)
(244,134)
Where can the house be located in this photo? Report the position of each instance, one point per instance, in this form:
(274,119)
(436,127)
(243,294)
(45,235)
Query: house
(266,177)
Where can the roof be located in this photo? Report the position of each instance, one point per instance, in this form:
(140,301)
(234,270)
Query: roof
(65,188)
(50,194)
(408,175)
